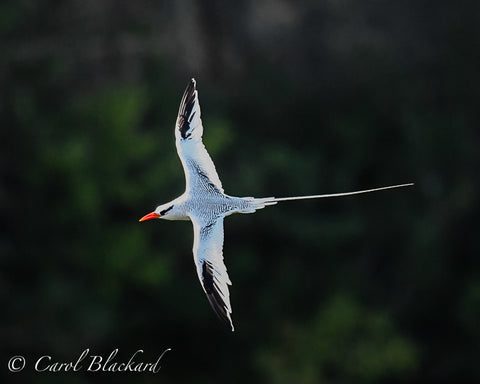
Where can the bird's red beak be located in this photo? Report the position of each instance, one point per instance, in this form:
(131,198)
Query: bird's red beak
(152,215)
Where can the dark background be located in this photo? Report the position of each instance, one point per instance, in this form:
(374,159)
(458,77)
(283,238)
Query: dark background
(297,98)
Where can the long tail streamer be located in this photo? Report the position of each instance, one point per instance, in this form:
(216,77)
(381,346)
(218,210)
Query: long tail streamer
(341,194)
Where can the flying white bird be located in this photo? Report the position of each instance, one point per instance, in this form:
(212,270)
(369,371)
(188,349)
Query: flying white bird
(206,205)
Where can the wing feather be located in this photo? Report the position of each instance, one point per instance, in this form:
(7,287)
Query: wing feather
(199,168)
(211,270)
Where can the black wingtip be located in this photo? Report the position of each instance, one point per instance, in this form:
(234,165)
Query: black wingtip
(185,110)
(220,310)
(189,91)
(192,86)
(214,297)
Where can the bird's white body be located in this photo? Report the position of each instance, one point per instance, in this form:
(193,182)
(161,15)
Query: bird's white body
(205,204)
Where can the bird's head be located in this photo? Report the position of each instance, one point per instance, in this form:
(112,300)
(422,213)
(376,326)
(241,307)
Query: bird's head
(161,212)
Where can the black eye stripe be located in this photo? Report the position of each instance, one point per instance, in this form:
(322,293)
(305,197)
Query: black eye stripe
(166,210)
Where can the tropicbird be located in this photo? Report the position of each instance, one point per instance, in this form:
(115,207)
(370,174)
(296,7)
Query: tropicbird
(205,204)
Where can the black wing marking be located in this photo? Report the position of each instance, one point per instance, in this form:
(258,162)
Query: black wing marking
(214,295)
(185,114)
(211,270)
(197,164)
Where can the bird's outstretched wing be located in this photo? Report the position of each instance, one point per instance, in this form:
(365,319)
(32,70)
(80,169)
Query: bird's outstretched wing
(199,169)
(211,270)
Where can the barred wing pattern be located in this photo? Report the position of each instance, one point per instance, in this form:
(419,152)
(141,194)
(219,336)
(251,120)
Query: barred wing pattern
(196,161)
(211,270)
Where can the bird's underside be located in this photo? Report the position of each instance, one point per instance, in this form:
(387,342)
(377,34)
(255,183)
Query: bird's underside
(206,205)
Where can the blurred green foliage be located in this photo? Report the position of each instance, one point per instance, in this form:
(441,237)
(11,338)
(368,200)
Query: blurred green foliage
(297,98)
(344,343)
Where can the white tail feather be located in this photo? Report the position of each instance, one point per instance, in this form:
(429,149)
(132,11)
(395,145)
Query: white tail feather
(339,194)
